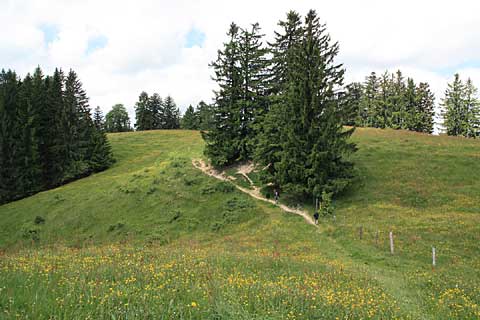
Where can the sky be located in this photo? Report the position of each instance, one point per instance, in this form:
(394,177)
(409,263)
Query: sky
(120,48)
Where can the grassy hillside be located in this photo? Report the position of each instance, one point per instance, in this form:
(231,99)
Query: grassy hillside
(153,237)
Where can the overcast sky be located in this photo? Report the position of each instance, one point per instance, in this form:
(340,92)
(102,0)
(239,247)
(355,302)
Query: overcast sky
(121,47)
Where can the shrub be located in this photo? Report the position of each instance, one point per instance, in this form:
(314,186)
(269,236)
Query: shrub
(39,220)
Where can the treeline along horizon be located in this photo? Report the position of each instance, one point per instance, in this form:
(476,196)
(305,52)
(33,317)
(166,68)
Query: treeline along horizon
(47,134)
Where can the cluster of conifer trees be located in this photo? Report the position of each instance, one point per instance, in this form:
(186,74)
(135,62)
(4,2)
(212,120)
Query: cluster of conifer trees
(389,101)
(461,109)
(200,118)
(47,134)
(282,104)
(152,112)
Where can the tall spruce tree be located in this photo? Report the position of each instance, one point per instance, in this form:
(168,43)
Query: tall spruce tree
(9,129)
(205,114)
(156,113)
(369,103)
(454,108)
(28,159)
(425,109)
(315,145)
(222,142)
(287,42)
(190,119)
(254,102)
(472,110)
(171,114)
(143,115)
(98,119)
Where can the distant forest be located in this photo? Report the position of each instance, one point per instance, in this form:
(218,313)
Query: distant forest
(47,134)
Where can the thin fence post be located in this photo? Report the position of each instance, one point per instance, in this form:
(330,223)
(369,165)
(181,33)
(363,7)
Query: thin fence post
(434,262)
(360,232)
(391,242)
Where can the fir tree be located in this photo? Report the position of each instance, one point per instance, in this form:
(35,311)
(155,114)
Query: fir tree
(369,103)
(312,158)
(221,142)
(171,114)
(205,115)
(190,119)
(144,118)
(254,102)
(284,48)
(425,109)
(454,108)
(98,119)
(472,110)
(156,117)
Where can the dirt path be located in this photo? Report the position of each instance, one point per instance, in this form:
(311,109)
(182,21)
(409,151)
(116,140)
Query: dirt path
(243,170)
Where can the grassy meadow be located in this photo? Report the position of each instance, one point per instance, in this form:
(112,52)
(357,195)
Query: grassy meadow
(154,238)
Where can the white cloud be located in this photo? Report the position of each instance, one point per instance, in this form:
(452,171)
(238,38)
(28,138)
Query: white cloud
(146,38)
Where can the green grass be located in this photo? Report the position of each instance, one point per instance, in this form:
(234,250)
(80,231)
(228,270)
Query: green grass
(153,238)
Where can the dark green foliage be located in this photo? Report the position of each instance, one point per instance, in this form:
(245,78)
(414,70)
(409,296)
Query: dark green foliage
(303,144)
(47,135)
(390,102)
(170,118)
(190,119)
(117,119)
(241,102)
(98,119)
(154,113)
(461,109)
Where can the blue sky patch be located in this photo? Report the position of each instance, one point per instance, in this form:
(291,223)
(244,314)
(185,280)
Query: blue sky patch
(450,71)
(195,38)
(95,43)
(50,33)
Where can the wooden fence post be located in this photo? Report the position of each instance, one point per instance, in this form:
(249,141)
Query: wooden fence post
(391,242)
(434,262)
(360,232)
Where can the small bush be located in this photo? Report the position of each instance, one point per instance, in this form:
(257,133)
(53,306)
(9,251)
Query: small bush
(225,187)
(151,190)
(31,234)
(117,226)
(39,220)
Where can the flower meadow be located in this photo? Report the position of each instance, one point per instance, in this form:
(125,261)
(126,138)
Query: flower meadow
(187,282)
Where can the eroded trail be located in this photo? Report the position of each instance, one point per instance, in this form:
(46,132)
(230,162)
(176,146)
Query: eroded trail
(243,170)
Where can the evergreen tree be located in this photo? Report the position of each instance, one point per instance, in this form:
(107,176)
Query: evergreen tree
(156,113)
(117,119)
(410,111)
(369,104)
(454,108)
(171,114)
(28,158)
(351,104)
(472,110)
(144,118)
(98,119)
(9,132)
(190,119)
(269,147)
(425,109)
(254,101)
(398,101)
(221,142)
(205,115)
(57,155)
(312,158)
